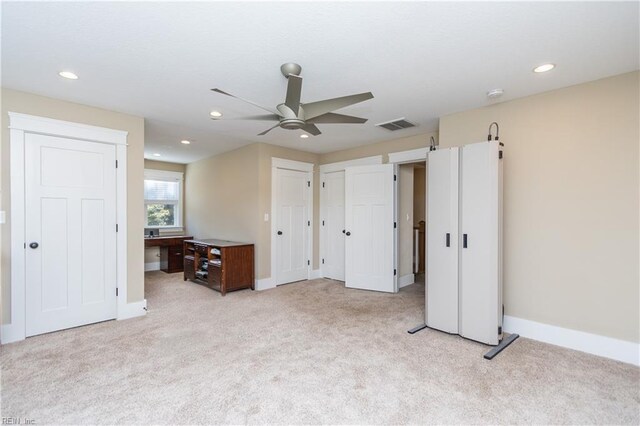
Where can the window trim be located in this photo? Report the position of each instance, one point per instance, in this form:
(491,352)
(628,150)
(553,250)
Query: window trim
(167,176)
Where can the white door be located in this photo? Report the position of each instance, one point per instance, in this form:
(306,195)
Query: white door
(292,223)
(70,233)
(480,290)
(442,240)
(370,230)
(333,225)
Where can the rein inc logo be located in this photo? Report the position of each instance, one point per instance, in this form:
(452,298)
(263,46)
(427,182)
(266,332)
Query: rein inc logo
(18,421)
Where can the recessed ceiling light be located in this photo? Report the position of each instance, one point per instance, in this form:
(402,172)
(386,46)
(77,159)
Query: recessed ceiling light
(544,68)
(185,142)
(68,74)
(155,154)
(215,114)
(304,136)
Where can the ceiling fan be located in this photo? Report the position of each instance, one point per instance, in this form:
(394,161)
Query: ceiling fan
(293,114)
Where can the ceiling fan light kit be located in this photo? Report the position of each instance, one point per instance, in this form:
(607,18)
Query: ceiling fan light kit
(294,115)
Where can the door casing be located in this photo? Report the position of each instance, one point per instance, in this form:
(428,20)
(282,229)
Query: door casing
(20,125)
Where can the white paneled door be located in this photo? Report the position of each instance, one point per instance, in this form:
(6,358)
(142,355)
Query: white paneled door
(480,229)
(292,222)
(70,233)
(333,225)
(442,240)
(370,230)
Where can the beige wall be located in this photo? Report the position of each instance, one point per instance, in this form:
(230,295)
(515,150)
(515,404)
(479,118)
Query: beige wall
(380,148)
(405,219)
(28,103)
(228,195)
(163,165)
(570,203)
(222,198)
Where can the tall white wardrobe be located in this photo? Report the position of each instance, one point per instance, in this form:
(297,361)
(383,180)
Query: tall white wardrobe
(464,241)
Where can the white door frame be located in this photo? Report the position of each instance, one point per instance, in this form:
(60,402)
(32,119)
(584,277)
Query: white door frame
(398,158)
(19,126)
(281,163)
(332,168)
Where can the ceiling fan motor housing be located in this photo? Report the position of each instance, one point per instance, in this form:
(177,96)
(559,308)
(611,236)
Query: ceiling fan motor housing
(290,68)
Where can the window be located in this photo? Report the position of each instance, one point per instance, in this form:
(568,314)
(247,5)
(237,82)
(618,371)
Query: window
(163,199)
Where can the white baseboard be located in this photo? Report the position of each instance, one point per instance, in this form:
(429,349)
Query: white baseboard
(132,310)
(607,347)
(265,284)
(315,273)
(406,280)
(152,266)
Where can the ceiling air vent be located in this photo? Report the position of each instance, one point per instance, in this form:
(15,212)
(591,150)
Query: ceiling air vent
(397,124)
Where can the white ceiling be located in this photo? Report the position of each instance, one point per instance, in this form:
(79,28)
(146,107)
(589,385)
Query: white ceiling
(420,60)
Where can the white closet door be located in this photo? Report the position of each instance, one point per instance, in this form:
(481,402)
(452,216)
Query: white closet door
(480,289)
(70,204)
(369,223)
(291,226)
(442,240)
(333,226)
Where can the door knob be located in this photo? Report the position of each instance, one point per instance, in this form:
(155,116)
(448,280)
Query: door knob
(279,232)
(348,233)
(33,245)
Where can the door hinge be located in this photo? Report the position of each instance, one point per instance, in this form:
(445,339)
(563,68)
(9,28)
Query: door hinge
(308,262)
(500,155)
(395,272)
(323,261)
(116,291)
(323,184)
(323,223)
(116,227)
(395,178)
(116,164)
(309,183)
(500,330)
(25,245)
(395,225)
(308,223)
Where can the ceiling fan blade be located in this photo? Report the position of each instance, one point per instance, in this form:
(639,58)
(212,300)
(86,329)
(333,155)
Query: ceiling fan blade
(268,130)
(332,117)
(315,109)
(264,117)
(312,129)
(245,100)
(294,89)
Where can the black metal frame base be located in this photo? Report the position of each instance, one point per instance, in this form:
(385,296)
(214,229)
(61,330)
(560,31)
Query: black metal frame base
(489,355)
(417,328)
(501,346)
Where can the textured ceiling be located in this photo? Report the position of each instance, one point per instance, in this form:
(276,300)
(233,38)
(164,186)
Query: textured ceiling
(420,60)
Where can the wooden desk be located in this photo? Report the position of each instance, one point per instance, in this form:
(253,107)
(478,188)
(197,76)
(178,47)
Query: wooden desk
(171,254)
(219,264)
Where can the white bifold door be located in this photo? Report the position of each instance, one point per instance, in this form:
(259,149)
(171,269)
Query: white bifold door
(481,242)
(70,233)
(464,237)
(442,240)
(333,226)
(370,228)
(292,221)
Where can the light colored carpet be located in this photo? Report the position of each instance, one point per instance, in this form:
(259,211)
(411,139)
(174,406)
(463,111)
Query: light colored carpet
(310,352)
